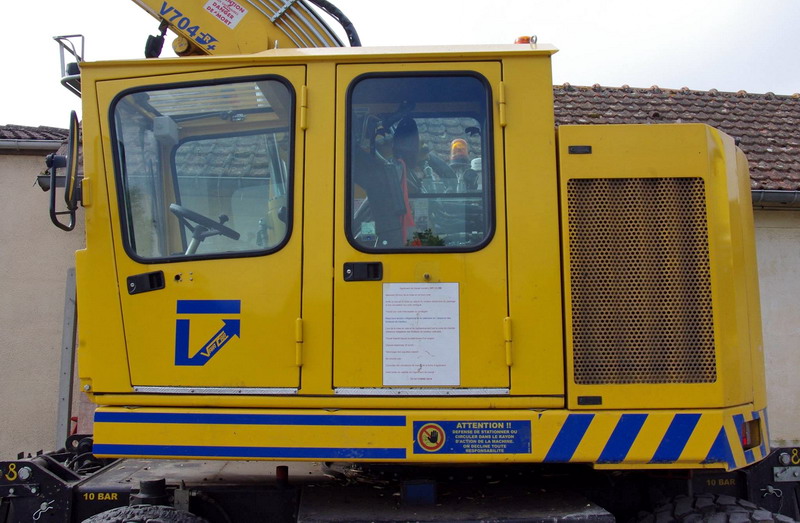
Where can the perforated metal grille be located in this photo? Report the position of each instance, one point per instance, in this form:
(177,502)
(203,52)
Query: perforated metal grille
(641,291)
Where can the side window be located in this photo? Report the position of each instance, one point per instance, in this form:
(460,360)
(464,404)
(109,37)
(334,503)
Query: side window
(419,164)
(204,170)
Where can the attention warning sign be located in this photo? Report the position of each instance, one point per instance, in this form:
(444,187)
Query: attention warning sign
(472,437)
(228,12)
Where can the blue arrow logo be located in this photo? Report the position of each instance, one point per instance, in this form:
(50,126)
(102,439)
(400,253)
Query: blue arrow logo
(230,328)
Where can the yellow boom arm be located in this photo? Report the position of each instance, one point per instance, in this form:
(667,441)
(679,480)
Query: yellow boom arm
(235,27)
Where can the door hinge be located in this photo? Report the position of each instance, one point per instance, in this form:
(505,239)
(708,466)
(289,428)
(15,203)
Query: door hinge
(86,192)
(304,107)
(298,341)
(501,103)
(507,339)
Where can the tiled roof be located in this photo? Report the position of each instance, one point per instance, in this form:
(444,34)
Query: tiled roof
(766,126)
(242,156)
(21,132)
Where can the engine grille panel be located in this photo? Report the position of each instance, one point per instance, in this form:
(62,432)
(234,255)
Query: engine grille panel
(640,281)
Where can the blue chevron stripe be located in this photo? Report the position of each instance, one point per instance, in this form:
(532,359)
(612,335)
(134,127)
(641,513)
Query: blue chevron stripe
(674,441)
(721,451)
(622,438)
(569,437)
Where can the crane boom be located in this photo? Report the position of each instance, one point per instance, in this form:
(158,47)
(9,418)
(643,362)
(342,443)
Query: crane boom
(217,27)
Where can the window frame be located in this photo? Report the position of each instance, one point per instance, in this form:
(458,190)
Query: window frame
(120,180)
(487,160)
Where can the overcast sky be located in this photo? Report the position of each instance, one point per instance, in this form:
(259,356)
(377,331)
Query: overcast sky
(701,44)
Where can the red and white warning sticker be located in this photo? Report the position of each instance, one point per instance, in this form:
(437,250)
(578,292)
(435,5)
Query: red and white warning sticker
(430,437)
(228,12)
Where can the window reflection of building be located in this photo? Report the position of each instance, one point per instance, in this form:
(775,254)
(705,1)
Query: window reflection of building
(184,146)
(415,167)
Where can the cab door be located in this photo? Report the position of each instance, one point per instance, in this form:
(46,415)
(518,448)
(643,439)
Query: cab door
(208,183)
(420,281)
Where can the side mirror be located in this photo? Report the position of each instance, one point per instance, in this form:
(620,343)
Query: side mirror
(72,190)
(70,182)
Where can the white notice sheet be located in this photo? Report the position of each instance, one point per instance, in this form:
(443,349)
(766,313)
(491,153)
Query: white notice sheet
(420,334)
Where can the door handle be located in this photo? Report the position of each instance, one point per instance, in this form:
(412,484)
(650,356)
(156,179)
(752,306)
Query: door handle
(363,271)
(149,281)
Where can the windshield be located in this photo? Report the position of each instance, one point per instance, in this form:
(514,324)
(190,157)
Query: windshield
(204,170)
(419,172)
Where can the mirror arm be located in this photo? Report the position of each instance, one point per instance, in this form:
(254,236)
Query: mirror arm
(53,162)
(55,214)
(72,183)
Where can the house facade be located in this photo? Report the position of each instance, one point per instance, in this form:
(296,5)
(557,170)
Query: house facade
(34,257)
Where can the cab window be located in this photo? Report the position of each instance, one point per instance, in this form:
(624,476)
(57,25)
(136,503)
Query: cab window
(205,170)
(419,163)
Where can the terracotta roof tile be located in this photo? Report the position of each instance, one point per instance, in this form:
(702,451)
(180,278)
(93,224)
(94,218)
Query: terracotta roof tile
(767,126)
(21,132)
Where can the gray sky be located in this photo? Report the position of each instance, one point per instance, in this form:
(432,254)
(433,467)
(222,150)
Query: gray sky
(701,44)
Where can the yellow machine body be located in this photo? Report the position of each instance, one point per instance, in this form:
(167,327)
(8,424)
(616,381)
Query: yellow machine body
(587,295)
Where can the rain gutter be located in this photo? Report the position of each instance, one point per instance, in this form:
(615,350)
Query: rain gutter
(30,145)
(775,199)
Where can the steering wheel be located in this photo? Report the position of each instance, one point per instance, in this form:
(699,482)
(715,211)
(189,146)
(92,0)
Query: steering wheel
(204,227)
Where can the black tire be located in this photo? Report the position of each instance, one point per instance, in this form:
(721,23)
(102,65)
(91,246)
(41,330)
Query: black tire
(145,514)
(714,509)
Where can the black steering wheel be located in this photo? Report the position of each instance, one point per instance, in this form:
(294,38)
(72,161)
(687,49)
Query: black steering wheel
(204,227)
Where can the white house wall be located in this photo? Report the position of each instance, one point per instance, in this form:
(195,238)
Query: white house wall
(778,240)
(34,257)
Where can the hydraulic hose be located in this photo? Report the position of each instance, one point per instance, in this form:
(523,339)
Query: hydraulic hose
(339,16)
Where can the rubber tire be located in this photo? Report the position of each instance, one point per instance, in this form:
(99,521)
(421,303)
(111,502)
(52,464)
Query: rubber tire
(710,508)
(145,514)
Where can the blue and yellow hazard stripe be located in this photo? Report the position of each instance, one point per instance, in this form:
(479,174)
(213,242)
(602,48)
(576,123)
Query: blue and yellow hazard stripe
(208,421)
(609,439)
(644,440)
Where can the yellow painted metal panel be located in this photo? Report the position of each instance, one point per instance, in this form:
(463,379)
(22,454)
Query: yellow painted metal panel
(534,245)
(102,359)
(680,439)
(116,69)
(741,204)
(668,197)
(480,276)
(318,220)
(261,351)
(305,400)
(732,318)
(597,436)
